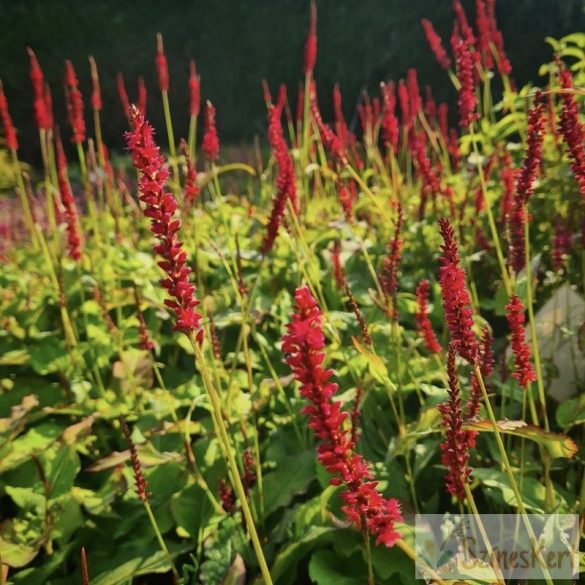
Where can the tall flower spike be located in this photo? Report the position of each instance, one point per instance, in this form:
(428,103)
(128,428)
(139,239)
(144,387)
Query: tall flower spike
(191,188)
(366,338)
(456,300)
(38,84)
(467,100)
(162,68)
(139,480)
(303,346)
(160,208)
(96,92)
(210,143)
(311,45)
(340,125)
(71,215)
(497,39)
(390,128)
(74,100)
(455,446)
(122,93)
(571,127)
(9,131)
(523,371)
(436,44)
(194,90)
(486,367)
(142,95)
(423,323)
(330,140)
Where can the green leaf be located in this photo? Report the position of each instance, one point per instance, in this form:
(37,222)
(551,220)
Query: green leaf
(191,510)
(571,412)
(325,567)
(293,476)
(61,468)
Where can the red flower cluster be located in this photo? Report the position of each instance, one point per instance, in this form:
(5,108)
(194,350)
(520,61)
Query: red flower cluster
(436,44)
(345,198)
(139,479)
(467,100)
(330,140)
(42,116)
(162,68)
(486,367)
(74,101)
(9,131)
(508,177)
(194,91)
(311,44)
(404,101)
(414,92)
(523,371)
(249,476)
(524,184)
(366,338)
(390,129)
(71,216)
(285,181)
(340,125)
(423,323)
(571,128)
(504,65)
(160,207)
(210,142)
(457,442)
(456,300)
(303,346)
(191,188)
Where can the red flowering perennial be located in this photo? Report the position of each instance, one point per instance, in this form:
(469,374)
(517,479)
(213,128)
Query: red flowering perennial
(96,92)
(191,188)
(38,84)
(303,346)
(523,371)
(122,93)
(142,95)
(390,128)
(467,100)
(311,44)
(71,216)
(210,142)
(436,44)
(456,300)
(74,100)
(160,207)
(524,184)
(455,447)
(571,128)
(486,367)
(139,479)
(330,140)
(285,181)
(162,68)
(9,131)
(423,323)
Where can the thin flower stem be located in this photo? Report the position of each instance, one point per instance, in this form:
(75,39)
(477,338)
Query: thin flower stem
(161,540)
(510,475)
(371,578)
(231,461)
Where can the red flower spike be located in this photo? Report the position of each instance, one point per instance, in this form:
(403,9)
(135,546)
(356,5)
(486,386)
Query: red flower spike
(457,442)
(467,100)
(484,33)
(160,208)
(331,142)
(37,80)
(142,95)
(336,263)
(504,65)
(210,142)
(140,481)
(122,93)
(571,128)
(340,125)
(249,475)
(523,371)
(226,496)
(562,244)
(365,334)
(430,104)
(311,44)
(191,188)
(96,93)
(423,323)
(486,367)
(286,188)
(9,131)
(456,300)
(48,107)
(74,100)
(303,346)
(413,93)
(405,109)
(390,128)
(162,68)
(71,215)
(436,44)
(194,91)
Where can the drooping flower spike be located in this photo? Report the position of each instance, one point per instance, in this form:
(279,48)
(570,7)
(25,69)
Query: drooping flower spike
(160,208)
(303,346)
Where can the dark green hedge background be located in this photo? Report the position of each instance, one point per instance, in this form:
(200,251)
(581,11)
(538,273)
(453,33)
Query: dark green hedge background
(236,43)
